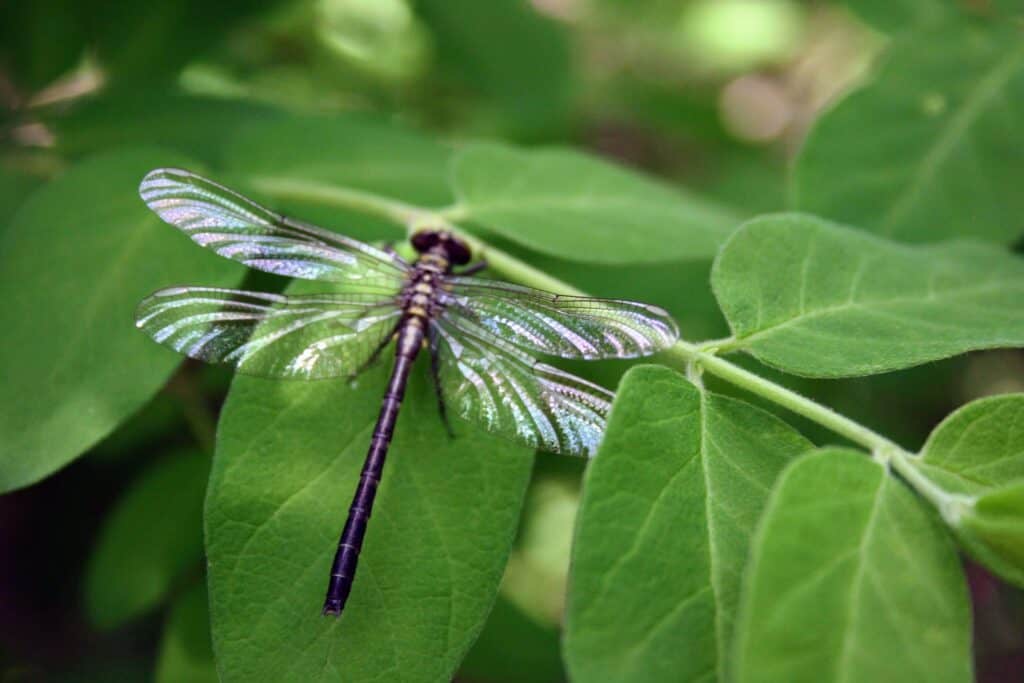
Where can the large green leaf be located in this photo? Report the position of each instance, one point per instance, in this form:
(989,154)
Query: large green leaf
(185,651)
(577,207)
(979,447)
(152,537)
(925,152)
(74,262)
(288,458)
(507,52)
(818,299)
(669,506)
(851,578)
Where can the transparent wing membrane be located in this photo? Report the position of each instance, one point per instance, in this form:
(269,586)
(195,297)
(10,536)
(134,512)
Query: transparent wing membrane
(270,335)
(506,391)
(564,326)
(242,230)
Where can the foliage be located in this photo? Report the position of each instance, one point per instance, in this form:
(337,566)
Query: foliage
(715,539)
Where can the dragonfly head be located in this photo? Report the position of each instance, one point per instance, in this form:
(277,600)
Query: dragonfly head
(455,250)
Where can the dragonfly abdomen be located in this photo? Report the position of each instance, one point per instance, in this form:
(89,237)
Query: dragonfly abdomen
(343,570)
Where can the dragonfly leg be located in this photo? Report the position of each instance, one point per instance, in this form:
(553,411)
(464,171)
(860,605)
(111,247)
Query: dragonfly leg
(376,352)
(474,268)
(435,374)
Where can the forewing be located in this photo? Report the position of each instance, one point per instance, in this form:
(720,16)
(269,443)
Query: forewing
(240,229)
(564,326)
(509,393)
(270,335)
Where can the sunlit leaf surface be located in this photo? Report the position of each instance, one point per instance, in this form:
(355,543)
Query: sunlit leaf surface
(74,263)
(851,578)
(668,509)
(815,298)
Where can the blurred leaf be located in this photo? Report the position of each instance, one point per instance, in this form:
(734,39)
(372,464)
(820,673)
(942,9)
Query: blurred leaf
(851,579)
(506,51)
(285,162)
(14,188)
(39,41)
(158,418)
(288,458)
(978,447)
(573,206)
(152,536)
(197,126)
(818,299)
(365,153)
(925,152)
(669,506)
(152,41)
(897,16)
(186,655)
(993,531)
(75,261)
(513,648)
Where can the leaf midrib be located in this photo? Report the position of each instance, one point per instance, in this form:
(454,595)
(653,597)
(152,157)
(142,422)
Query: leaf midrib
(972,108)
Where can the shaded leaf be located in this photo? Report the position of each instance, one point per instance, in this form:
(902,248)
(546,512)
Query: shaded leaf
(851,579)
(288,458)
(185,650)
(193,125)
(39,41)
(924,152)
(669,506)
(484,44)
(74,262)
(992,530)
(818,299)
(151,538)
(577,207)
(513,648)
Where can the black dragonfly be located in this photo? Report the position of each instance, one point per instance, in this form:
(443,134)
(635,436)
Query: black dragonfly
(482,334)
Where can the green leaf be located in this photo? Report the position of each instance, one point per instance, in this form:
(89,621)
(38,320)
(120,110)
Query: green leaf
(669,506)
(39,41)
(14,187)
(153,535)
(74,262)
(577,207)
(992,530)
(818,299)
(193,125)
(284,162)
(976,451)
(288,458)
(901,15)
(512,648)
(851,578)
(922,153)
(506,51)
(185,650)
(979,447)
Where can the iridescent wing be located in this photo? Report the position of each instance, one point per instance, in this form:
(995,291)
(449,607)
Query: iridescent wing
(271,335)
(242,230)
(495,384)
(555,325)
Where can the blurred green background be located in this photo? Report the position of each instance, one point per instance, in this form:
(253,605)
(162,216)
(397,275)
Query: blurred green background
(712,95)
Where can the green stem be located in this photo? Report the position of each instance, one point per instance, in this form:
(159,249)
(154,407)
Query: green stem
(516,270)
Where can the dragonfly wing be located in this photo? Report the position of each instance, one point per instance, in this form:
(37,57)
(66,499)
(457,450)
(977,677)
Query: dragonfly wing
(242,230)
(495,384)
(564,326)
(270,335)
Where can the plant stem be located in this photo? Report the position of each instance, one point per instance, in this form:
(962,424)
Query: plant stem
(512,268)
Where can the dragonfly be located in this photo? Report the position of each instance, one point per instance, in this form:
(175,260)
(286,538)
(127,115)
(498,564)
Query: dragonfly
(482,335)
